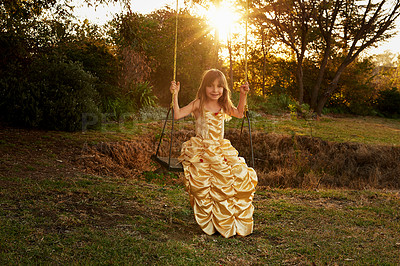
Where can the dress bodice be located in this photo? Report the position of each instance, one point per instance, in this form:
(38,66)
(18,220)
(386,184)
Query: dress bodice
(211,125)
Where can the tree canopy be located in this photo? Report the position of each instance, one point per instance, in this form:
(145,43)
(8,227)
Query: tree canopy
(331,33)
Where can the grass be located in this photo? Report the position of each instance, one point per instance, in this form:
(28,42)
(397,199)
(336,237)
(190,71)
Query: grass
(367,130)
(52,211)
(88,219)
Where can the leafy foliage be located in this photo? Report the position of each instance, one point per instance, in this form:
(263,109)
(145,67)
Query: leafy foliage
(355,93)
(130,33)
(273,104)
(388,102)
(143,94)
(95,57)
(53,94)
(52,69)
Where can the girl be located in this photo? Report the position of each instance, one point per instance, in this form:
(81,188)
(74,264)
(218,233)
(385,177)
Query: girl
(220,185)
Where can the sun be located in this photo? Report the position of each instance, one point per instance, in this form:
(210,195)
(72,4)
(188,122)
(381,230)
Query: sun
(222,18)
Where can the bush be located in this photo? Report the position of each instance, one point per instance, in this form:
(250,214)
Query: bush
(53,94)
(363,109)
(274,104)
(388,102)
(116,106)
(141,95)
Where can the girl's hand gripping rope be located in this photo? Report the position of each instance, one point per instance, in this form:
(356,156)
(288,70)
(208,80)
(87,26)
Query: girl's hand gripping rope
(175,87)
(242,106)
(244,89)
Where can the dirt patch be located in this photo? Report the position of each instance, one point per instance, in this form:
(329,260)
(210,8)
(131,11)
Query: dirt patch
(306,162)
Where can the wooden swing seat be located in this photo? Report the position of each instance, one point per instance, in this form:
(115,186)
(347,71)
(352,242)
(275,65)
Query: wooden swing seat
(174,165)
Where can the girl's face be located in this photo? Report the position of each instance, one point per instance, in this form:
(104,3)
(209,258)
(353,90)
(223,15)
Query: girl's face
(214,91)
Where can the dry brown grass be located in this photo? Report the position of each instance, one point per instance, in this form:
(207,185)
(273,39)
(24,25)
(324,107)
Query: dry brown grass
(280,160)
(117,159)
(306,162)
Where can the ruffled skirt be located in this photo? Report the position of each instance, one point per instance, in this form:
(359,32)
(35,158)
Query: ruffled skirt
(220,185)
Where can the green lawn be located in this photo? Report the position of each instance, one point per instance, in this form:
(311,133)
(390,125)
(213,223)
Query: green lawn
(95,220)
(368,130)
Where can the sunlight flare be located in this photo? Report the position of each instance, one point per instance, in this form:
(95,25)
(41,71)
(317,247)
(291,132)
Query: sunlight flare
(222,18)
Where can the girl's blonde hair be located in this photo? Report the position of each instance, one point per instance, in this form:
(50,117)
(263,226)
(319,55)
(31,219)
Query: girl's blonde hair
(208,79)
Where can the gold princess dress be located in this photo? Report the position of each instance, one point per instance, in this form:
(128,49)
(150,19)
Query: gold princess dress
(221,186)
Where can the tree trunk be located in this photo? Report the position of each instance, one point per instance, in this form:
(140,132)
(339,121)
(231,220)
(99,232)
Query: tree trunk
(263,50)
(299,70)
(321,73)
(299,78)
(217,44)
(217,62)
(322,101)
(299,75)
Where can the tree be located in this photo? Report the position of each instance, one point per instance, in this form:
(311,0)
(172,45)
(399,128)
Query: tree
(345,29)
(19,29)
(355,93)
(130,33)
(291,23)
(208,4)
(47,65)
(364,25)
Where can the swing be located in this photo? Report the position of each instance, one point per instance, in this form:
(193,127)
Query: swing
(173,164)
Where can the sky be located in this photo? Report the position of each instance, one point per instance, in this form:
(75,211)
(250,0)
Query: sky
(104,13)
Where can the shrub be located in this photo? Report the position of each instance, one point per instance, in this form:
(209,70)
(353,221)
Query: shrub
(335,110)
(54,94)
(363,109)
(301,110)
(141,95)
(388,102)
(116,106)
(276,103)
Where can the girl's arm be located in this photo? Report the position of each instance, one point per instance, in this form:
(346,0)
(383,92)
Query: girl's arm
(184,111)
(239,111)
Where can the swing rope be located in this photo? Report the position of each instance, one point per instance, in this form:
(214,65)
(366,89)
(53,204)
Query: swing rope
(176,42)
(246,109)
(174,79)
(162,161)
(245,42)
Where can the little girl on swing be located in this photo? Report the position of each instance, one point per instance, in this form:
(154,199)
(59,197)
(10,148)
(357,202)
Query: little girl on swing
(220,184)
